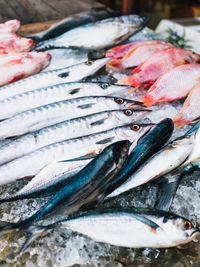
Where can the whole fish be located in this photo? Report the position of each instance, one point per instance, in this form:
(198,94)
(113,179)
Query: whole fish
(125,227)
(17,66)
(15,104)
(168,159)
(40,117)
(68,129)
(10,26)
(190,110)
(139,54)
(173,85)
(158,64)
(83,147)
(97,35)
(53,77)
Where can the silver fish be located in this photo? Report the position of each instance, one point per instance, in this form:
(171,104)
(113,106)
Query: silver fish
(34,119)
(49,78)
(43,96)
(100,34)
(68,129)
(86,146)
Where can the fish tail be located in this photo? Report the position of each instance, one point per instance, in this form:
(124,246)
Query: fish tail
(147,100)
(132,81)
(178,122)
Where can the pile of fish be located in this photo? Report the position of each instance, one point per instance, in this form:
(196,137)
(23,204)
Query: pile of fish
(82,143)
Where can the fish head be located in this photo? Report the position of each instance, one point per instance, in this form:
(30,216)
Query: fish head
(120,151)
(127,115)
(114,87)
(123,103)
(42,58)
(91,66)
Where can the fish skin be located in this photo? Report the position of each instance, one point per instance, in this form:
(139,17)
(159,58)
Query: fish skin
(10,26)
(158,64)
(66,130)
(100,34)
(139,54)
(89,145)
(19,103)
(173,85)
(53,77)
(40,117)
(17,66)
(190,110)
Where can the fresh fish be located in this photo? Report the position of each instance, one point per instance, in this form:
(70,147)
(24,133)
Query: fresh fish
(158,64)
(173,85)
(125,227)
(73,21)
(15,104)
(83,147)
(53,77)
(164,161)
(190,110)
(97,35)
(10,26)
(139,54)
(40,117)
(68,129)
(17,66)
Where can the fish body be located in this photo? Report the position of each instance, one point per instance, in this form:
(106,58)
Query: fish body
(44,79)
(173,85)
(40,117)
(15,104)
(190,110)
(85,146)
(17,66)
(158,64)
(66,130)
(99,34)
(10,26)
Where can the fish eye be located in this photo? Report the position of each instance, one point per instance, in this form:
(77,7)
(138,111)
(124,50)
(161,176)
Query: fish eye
(128,112)
(119,100)
(89,62)
(104,85)
(135,127)
(187,225)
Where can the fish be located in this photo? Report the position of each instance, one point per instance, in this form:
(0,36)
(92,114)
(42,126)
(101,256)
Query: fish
(32,99)
(97,35)
(166,160)
(138,54)
(68,129)
(43,116)
(53,77)
(81,147)
(189,113)
(17,66)
(11,26)
(124,227)
(173,85)
(158,64)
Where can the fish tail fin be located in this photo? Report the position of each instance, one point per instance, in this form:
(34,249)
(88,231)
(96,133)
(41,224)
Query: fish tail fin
(115,63)
(5,227)
(132,81)
(135,70)
(178,122)
(147,100)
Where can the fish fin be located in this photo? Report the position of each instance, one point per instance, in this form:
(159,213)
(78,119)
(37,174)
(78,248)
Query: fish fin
(194,128)
(74,91)
(147,100)
(167,190)
(105,141)
(64,74)
(129,81)
(153,226)
(86,106)
(99,122)
(115,63)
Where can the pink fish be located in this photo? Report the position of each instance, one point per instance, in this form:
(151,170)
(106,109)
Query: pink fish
(173,85)
(10,26)
(11,43)
(190,111)
(17,66)
(158,64)
(138,54)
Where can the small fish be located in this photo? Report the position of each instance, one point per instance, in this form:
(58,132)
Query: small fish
(10,26)
(190,110)
(173,85)
(68,129)
(139,54)
(40,117)
(17,66)
(81,147)
(53,77)
(15,104)
(97,35)
(158,64)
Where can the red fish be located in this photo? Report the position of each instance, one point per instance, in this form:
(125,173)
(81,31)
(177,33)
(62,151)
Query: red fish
(190,111)
(158,64)
(173,85)
(10,26)
(16,66)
